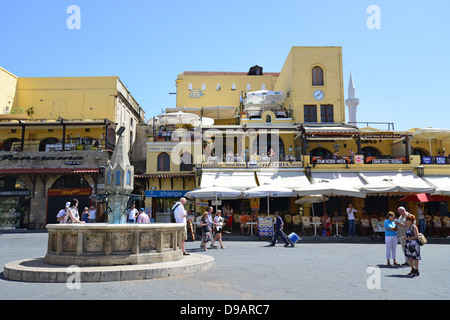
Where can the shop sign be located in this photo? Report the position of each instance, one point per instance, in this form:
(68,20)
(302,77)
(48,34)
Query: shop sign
(387,161)
(429,160)
(14,193)
(70,192)
(154,148)
(11,157)
(165,193)
(331,161)
(359,159)
(280,164)
(224,165)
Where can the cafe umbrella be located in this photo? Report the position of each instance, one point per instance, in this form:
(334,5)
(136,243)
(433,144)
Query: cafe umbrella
(214,193)
(267,191)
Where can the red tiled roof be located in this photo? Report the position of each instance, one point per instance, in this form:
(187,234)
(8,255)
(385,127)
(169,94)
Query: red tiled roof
(49,171)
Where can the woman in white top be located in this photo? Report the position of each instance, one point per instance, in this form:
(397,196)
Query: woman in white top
(72,215)
(218,224)
(421,217)
(351,220)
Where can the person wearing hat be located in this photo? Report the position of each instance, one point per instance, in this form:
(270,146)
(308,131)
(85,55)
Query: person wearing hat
(62,214)
(401,225)
(279,231)
(143,217)
(92,214)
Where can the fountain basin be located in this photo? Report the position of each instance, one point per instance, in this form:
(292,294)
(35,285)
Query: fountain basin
(101,244)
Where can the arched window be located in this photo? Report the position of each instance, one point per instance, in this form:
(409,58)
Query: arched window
(46,141)
(69,182)
(317,76)
(163,162)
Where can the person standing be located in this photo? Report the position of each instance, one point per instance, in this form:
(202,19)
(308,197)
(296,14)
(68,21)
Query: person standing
(390,238)
(401,225)
(218,220)
(72,215)
(85,215)
(206,231)
(180,217)
(279,231)
(61,216)
(351,219)
(143,217)
(92,214)
(421,218)
(412,247)
(132,212)
(211,223)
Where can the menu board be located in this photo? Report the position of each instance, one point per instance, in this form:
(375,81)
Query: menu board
(265,227)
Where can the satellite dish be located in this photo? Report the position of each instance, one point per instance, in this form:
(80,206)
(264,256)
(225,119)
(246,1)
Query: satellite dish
(120,131)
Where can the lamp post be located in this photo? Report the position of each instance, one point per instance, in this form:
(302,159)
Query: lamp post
(308,171)
(420,170)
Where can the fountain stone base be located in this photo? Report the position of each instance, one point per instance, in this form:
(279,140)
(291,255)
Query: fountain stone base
(101,244)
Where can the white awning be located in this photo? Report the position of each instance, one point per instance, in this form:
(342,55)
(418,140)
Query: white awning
(442,184)
(333,184)
(388,182)
(234,180)
(286,179)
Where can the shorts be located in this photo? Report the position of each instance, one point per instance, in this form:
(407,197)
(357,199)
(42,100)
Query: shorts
(184,233)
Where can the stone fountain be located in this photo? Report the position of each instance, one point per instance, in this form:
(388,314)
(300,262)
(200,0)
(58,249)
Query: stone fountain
(119,181)
(111,251)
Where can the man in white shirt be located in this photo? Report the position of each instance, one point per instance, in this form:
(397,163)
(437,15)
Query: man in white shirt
(180,217)
(131,217)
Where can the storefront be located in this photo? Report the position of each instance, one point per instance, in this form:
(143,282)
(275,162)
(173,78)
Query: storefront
(57,199)
(14,203)
(162,201)
(14,209)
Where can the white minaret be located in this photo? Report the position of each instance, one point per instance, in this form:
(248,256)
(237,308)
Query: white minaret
(352,102)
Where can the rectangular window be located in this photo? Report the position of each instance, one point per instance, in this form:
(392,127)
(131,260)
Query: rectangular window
(310,113)
(326,113)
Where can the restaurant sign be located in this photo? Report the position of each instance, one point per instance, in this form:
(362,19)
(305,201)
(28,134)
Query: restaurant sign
(70,192)
(331,161)
(387,161)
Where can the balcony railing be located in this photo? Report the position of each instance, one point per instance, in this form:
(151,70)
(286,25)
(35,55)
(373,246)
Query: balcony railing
(69,145)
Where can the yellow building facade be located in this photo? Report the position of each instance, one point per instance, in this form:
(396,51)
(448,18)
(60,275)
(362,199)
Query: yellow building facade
(307,127)
(56,136)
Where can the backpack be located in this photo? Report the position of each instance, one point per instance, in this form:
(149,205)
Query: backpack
(172,214)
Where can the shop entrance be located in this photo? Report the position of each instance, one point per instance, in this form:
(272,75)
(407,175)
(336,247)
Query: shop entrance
(57,199)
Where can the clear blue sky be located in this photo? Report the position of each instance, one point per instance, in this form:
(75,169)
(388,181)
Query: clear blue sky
(401,71)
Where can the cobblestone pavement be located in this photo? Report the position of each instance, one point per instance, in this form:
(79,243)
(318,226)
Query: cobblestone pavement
(249,270)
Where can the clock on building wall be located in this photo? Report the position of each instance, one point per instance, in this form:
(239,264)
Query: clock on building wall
(318,95)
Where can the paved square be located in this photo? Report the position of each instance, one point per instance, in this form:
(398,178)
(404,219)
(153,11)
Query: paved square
(249,270)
